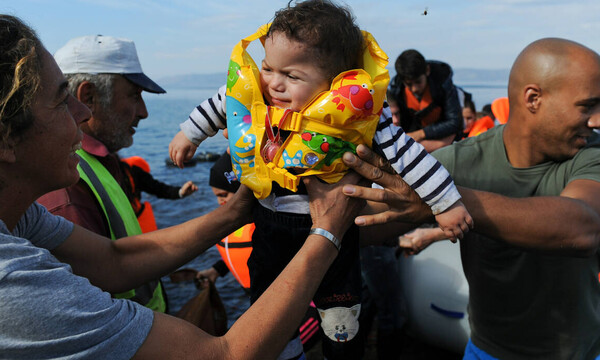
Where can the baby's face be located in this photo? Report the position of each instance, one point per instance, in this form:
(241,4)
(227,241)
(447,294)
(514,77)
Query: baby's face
(289,77)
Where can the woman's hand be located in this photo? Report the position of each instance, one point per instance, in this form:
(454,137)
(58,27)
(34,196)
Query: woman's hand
(330,209)
(241,204)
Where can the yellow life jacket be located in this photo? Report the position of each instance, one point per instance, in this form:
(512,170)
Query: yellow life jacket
(333,122)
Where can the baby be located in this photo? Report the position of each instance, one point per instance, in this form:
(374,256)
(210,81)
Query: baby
(306,47)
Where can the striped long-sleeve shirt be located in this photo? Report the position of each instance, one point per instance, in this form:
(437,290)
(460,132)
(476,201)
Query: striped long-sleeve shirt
(417,167)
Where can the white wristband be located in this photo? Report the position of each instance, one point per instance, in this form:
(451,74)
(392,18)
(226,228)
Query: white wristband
(327,235)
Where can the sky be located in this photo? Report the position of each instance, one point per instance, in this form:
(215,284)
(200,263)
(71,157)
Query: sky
(175,37)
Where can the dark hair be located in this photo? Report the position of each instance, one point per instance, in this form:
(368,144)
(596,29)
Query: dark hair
(20,76)
(487,110)
(391,96)
(471,105)
(410,65)
(328,29)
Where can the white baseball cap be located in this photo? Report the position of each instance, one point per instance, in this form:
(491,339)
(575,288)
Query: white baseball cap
(97,54)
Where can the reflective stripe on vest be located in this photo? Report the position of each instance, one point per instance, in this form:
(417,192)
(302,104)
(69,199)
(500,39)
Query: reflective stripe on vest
(121,221)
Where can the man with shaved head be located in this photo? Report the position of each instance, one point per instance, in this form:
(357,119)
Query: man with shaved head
(533,188)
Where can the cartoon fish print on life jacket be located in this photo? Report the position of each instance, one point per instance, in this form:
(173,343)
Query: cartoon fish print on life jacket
(332,147)
(359,97)
(233,74)
(242,152)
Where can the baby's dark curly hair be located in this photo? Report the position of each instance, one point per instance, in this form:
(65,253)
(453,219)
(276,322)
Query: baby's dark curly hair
(327,29)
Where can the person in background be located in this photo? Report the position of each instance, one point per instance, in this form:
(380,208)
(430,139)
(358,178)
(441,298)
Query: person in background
(105,74)
(428,104)
(463,96)
(55,276)
(234,249)
(474,126)
(533,187)
(137,171)
(486,110)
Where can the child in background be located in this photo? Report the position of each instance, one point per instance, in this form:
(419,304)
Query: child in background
(235,248)
(306,47)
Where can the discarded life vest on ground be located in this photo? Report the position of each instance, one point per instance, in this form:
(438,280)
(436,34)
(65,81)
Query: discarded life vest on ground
(333,122)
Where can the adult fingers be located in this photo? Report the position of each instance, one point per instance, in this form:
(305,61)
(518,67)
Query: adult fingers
(366,193)
(372,158)
(366,169)
(376,219)
(374,170)
(405,242)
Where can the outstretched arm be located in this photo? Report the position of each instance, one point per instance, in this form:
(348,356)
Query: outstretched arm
(116,266)
(419,239)
(568,224)
(181,149)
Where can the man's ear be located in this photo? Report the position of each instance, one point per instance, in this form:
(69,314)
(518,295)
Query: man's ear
(86,93)
(532,97)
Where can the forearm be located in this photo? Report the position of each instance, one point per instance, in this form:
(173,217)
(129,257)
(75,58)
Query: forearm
(263,330)
(147,183)
(554,223)
(120,265)
(280,309)
(206,119)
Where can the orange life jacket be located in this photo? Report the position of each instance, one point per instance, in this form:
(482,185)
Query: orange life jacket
(481,125)
(500,109)
(425,110)
(143,210)
(235,250)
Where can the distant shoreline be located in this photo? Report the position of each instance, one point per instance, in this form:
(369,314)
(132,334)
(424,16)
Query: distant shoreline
(462,77)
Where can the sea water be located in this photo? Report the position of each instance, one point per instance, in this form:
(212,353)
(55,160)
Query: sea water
(151,141)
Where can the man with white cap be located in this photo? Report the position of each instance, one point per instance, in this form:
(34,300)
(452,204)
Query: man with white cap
(105,74)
